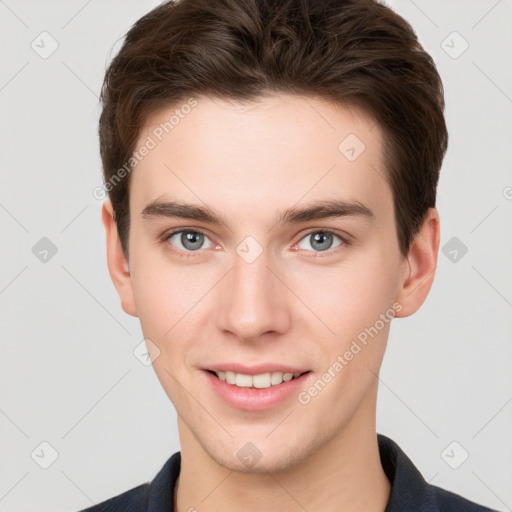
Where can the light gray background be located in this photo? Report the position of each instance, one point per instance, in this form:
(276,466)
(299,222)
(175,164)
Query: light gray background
(68,375)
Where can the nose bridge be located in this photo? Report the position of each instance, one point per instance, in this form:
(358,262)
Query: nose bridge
(254,301)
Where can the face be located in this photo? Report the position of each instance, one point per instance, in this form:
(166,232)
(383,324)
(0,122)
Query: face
(265,289)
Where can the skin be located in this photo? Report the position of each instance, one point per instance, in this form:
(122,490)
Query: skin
(293,304)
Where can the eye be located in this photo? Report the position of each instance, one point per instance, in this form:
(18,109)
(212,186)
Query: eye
(189,240)
(321,241)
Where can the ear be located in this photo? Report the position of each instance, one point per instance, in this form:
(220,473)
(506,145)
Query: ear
(420,265)
(117,264)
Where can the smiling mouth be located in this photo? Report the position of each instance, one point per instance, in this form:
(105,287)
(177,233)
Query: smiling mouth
(260,381)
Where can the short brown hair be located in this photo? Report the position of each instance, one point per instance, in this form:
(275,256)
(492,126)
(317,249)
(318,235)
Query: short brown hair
(350,52)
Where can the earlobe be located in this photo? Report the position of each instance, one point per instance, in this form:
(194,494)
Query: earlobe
(420,266)
(118,266)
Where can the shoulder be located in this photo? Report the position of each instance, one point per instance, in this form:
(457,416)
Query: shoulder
(450,502)
(152,496)
(133,500)
(410,491)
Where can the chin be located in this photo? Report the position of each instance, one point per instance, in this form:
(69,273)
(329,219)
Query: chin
(259,457)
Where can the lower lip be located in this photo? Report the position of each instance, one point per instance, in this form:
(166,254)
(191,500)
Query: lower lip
(254,399)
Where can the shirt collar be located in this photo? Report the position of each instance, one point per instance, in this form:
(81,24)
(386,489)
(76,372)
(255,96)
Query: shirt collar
(409,490)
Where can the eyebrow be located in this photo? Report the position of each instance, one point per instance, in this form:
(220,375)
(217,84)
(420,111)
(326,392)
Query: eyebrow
(317,210)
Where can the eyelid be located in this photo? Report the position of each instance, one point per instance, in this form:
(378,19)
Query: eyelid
(344,236)
(167,234)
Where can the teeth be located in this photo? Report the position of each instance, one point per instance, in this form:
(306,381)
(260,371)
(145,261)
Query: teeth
(243,381)
(263,380)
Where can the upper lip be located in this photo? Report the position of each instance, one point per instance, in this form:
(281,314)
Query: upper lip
(257,369)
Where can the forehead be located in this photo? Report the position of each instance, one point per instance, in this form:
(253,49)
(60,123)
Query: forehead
(278,150)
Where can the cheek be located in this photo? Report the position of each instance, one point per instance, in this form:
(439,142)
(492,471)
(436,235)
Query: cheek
(170,298)
(162,293)
(349,297)
(165,301)
(350,303)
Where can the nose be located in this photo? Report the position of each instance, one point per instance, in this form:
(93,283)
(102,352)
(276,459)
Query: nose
(253,300)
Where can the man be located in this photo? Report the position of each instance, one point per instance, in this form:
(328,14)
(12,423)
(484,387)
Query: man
(272,171)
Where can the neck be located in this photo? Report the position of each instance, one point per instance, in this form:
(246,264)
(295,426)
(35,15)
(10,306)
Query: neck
(343,474)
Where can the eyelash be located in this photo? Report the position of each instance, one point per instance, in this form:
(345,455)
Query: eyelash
(191,254)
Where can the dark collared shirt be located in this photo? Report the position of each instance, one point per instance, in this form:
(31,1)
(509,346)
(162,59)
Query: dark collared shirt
(409,491)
